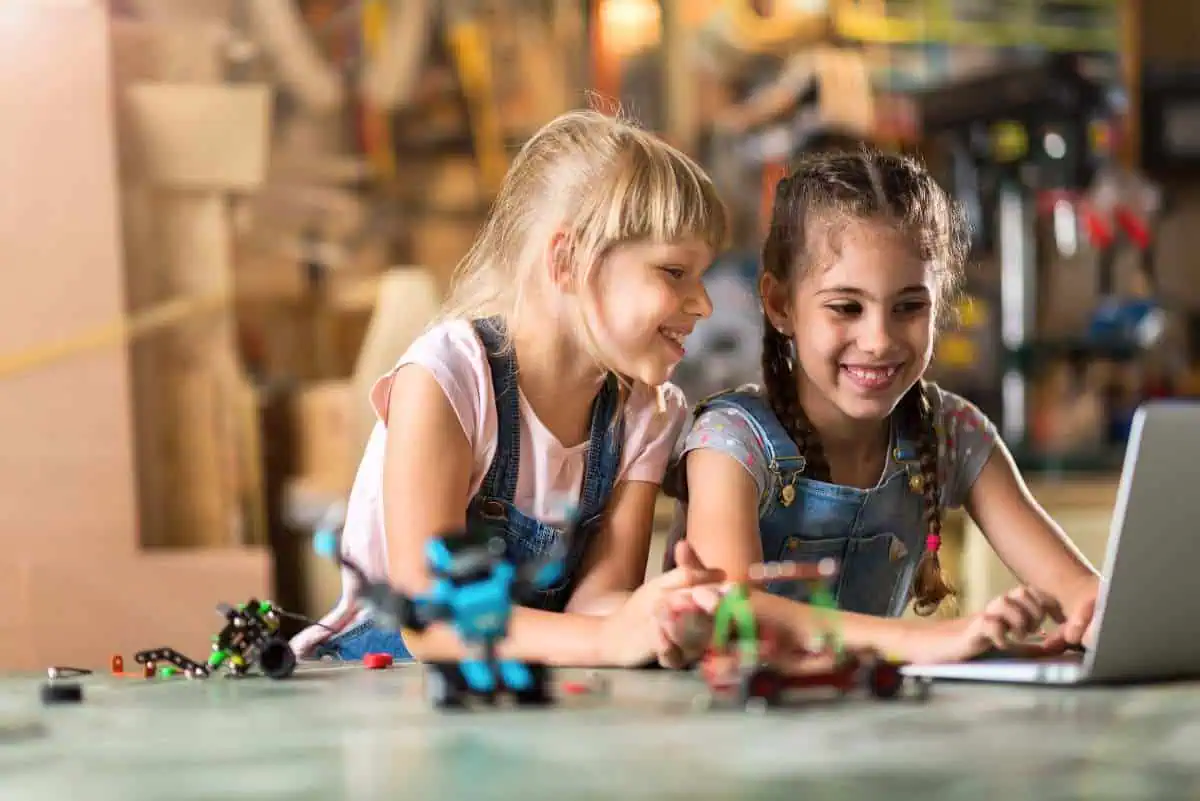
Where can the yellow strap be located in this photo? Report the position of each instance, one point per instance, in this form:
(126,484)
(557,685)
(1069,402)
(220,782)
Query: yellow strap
(123,330)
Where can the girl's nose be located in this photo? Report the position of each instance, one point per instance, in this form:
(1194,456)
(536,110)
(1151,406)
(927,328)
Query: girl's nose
(875,336)
(699,303)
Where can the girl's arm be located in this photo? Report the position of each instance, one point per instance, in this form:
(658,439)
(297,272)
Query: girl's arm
(1025,538)
(426,484)
(722,527)
(616,561)
(722,513)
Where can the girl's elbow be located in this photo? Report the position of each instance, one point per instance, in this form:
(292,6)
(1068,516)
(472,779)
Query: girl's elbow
(432,646)
(418,646)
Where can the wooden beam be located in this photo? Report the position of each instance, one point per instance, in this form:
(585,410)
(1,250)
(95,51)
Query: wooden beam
(1132,49)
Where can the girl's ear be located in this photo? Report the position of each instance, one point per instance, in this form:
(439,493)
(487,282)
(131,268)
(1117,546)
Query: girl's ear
(558,262)
(777,303)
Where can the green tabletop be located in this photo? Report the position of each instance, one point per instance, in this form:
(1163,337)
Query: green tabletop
(341,731)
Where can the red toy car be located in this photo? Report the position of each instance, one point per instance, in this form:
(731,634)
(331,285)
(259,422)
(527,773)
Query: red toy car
(752,667)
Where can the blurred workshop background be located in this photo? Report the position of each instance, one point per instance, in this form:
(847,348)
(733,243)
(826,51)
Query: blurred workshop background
(221,219)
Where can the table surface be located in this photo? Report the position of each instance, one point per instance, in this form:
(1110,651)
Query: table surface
(341,731)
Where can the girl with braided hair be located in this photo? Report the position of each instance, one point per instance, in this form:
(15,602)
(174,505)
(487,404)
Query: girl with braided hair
(846,450)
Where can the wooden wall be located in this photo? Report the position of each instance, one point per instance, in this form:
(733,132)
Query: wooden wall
(76,584)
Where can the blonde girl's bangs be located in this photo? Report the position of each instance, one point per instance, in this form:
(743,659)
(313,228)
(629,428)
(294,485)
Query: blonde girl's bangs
(603,182)
(652,193)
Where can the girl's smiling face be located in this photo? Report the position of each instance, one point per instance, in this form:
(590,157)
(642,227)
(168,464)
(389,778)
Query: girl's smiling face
(646,299)
(861,321)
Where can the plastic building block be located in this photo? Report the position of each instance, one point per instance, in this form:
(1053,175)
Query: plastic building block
(60,692)
(60,672)
(474,588)
(377,661)
(250,637)
(747,662)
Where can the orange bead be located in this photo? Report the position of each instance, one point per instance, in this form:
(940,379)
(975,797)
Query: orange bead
(118,664)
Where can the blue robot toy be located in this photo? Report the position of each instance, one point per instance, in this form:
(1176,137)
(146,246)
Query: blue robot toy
(474,589)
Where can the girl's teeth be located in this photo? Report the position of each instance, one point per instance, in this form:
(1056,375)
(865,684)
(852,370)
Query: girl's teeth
(882,372)
(870,375)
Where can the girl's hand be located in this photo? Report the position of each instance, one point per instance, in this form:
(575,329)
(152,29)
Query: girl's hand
(1003,624)
(1080,626)
(642,630)
(686,625)
(1078,630)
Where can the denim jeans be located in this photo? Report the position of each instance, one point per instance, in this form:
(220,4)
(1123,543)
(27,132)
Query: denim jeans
(361,639)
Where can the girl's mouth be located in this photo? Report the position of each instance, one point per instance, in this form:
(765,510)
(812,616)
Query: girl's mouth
(674,339)
(871,378)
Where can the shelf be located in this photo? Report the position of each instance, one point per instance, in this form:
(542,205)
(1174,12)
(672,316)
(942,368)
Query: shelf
(935,23)
(1036,353)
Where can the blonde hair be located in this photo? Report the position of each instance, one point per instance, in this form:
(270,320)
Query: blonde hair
(603,181)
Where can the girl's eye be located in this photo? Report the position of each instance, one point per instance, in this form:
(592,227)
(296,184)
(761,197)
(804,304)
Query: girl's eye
(675,272)
(912,306)
(845,309)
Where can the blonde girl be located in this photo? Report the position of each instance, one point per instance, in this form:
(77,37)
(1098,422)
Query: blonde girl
(542,389)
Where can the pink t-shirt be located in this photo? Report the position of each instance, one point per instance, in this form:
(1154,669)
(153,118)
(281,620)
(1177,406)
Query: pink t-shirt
(550,475)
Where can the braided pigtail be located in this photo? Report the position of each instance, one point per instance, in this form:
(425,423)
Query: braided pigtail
(784,239)
(930,586)
(779,380)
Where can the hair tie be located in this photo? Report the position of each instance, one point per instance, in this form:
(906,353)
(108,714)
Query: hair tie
(933,542)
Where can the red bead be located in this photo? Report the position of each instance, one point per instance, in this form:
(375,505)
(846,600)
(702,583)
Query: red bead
(377,661)
(933,542)
(118,665)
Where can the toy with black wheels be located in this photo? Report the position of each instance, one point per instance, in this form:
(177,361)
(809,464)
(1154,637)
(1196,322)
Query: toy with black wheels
(762,686)
(883,679)
(277,660)
(445,686)
(538,691)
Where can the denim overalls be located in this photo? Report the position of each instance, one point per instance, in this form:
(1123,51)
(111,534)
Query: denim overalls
(493,508)
(876,535)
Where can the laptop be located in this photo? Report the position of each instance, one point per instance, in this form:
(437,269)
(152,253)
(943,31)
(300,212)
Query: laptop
(1147,617)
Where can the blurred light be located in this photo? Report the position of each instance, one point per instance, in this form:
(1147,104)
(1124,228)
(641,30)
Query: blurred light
(1055,145)
(630,25)
(1066,233)
(803,6)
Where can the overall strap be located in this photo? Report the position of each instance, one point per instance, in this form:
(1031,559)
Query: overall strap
(604,449)
(905,453)
(501,479)
(748,404)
